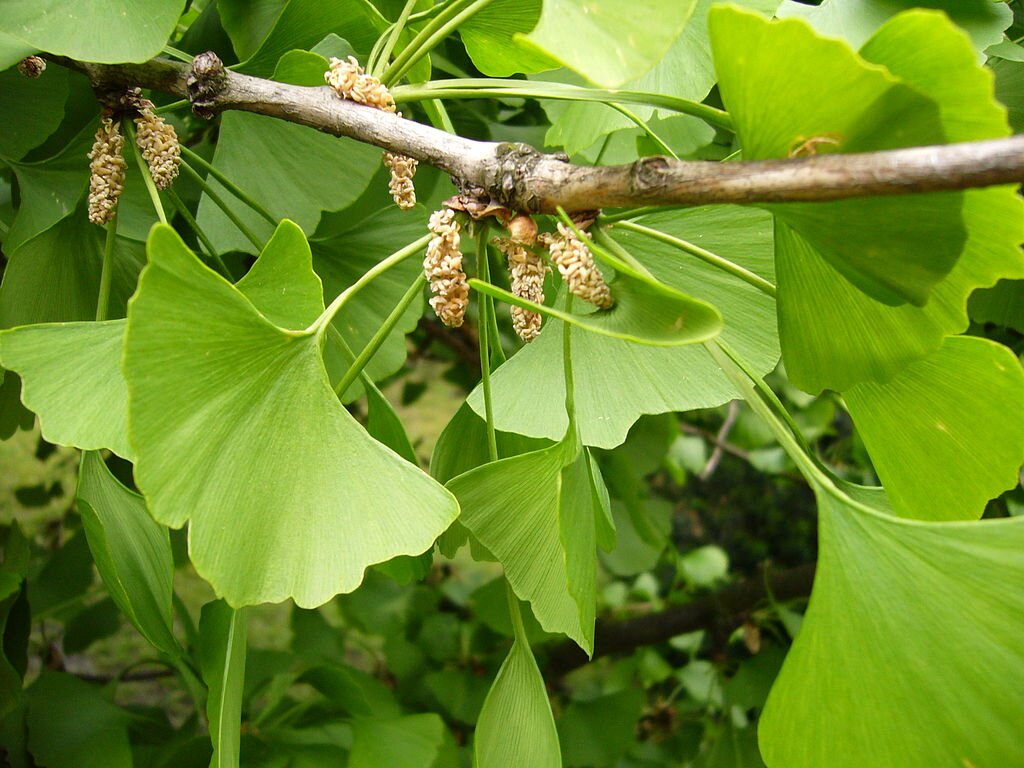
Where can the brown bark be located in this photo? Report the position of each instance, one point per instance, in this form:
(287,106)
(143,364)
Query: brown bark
(521,178)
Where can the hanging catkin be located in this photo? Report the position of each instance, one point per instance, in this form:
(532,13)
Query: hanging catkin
(526,272)
(106,168)
(443,268)
(349,81)
(158,143)
(576,266)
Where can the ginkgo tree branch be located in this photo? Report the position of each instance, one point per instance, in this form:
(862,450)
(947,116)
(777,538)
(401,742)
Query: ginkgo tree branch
(522,178)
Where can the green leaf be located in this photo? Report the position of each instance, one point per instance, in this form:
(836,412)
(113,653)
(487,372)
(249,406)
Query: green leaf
(298,184)
(341,259)
(617,381)
(132,552)
(13,415)
(72,725)
(262,32)
(92,414)
(857,20)
(104,31)
(278,474)
(412,741)
(50,189)
(490,37)
(952,594)
(536,513)
(15,627)
(645,312)
(605,41)
(384,425)
(597,732)
(894,249)
(222,635)
(1002,304)
(515,727)
(55,276)
(685,71)
(825,344)
(947,433)
(30,109)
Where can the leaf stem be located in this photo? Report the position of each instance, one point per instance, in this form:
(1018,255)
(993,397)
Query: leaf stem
(211,252)
(171,107)
(154,195)
(482,88)
(360,362)
(444,24)
(392,39)
(766,287)
(486,306)
(642,124)
(220,203)
(228,184)
(373,273)
(518,630)
(106,271)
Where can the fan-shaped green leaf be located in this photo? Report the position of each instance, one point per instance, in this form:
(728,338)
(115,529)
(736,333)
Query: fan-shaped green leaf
(236,429)
(132,552)
(116,31)
(490,38)
(222,635)
(93,412)
(856,20)
(55,276)
(606,41)
(536,513)
(895,249)
(953,593)
(618,381)
(842,336)
(515,727)
(946,434)
(30,109)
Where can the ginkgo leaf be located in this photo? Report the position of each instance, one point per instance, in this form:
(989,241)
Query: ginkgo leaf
(946,434)
(607,41)
(617,381)
(894,249)
(412,741)
(536,514)
(953,594)
(515,727)
(92,414)
(131,550)
(236,430)
(841,336)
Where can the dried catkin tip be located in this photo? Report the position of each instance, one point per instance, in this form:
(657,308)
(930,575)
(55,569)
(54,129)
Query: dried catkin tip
(443,267)
(158,143)
(401,187)
(527,271)
(107,166)
(576,266)
(32,66)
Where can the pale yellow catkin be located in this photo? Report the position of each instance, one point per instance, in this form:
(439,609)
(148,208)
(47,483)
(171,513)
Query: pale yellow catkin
(106,172)
(576,266)
(349,81)
(158,143)
(442,266)
(526,271)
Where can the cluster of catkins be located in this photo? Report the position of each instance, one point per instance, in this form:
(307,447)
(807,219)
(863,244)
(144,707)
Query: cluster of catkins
(158,145)
(527,270)
(349,80)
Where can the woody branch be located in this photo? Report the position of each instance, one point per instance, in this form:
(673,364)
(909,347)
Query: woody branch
(524,179)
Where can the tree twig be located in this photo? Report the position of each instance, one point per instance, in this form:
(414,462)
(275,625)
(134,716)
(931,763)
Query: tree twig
(703,613)
(521,178)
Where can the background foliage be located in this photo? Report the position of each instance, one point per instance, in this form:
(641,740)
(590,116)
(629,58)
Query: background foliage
(239,567)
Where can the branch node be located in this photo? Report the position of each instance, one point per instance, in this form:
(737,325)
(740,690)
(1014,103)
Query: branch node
(511,188)
(206,81)
(649,174)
